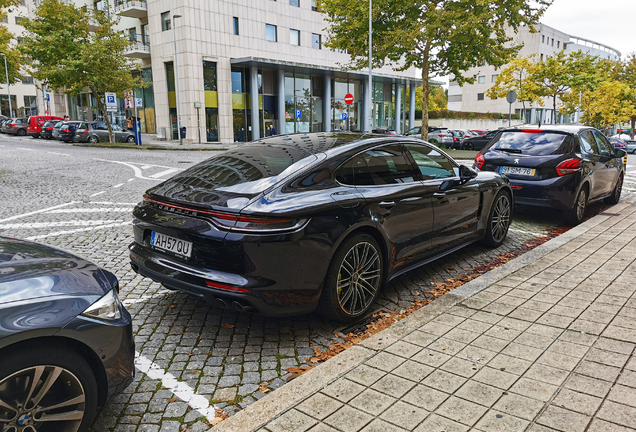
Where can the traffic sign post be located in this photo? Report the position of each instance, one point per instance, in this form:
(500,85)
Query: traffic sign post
(511,97)
(348,98)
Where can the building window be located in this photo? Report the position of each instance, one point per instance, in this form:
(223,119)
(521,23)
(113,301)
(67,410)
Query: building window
(294,3)
(19,20)
(5,19)
(30,105)
(552,41)
(27,79)
(270,33)
(494,78)
(19,40)
(211,102)
(294,37)
(481,79)
(542,38)
(316,41)
(166,23)
(235,25)
(565,46)
(558,44)
(480,96)
(541,57)
(315,6)
(172,100)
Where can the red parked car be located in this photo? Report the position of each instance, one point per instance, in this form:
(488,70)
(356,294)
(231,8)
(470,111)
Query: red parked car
(34,124)
(480,132)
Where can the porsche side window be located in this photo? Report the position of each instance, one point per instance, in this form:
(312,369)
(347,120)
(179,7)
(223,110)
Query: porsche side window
(431,163)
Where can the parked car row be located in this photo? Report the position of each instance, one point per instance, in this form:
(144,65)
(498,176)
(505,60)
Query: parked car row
(49,127)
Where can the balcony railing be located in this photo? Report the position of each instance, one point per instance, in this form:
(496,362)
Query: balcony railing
(131,8)
(140,47)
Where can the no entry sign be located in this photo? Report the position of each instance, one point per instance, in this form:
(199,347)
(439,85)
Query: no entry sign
(348,99)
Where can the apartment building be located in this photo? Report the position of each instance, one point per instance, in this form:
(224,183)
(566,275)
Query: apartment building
(544,43)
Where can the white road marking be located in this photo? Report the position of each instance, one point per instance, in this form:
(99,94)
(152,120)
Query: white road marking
(526,232)
(112,203)
(38,211)
(145,297)
(118,185)
(53,234)
(98,193)
(180,389)
(22,148)
(59,154)
(91,210)
(132,179)
(164,173)
(57,224)
(137,170)
(146,166)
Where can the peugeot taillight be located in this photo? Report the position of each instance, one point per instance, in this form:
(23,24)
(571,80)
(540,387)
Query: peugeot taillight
(568,166)
(232,221)
(479,161)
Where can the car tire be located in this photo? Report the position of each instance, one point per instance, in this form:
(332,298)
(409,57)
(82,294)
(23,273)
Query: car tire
(468,146)
(130,139)
(575,215)
(348,303)
(36,136)
(634,151)
(616,193)
(498,220)
(93,139)
(21,132)
(73,380)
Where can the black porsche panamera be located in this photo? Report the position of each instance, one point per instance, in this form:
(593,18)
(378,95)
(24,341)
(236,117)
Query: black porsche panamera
(288,224)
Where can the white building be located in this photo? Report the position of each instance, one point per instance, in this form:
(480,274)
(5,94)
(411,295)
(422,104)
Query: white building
(235,54)
(546,42)
(23,94)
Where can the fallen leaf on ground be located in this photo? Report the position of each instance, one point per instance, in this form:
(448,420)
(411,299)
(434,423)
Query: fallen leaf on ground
(171,306)
(292,376)
(227,326)
(174,399)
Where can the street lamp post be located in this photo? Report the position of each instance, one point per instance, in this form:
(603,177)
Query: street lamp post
(176,78)
(6,71)
(370,86)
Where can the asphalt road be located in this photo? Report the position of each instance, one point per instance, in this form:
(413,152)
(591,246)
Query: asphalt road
(193,359)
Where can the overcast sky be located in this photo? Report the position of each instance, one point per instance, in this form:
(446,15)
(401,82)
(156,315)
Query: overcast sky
(610,22)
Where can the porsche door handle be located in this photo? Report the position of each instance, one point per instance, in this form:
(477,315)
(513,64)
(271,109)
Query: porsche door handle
(387,204)
(439,195)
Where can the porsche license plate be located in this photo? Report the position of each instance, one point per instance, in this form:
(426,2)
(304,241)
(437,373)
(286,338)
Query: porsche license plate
(518,170)
(171,244)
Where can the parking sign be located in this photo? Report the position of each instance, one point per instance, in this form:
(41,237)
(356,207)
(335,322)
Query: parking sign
(298,113)
(138,102)
(344,116)
(111,99)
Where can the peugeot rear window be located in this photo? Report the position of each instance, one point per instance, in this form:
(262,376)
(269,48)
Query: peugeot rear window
(531,143)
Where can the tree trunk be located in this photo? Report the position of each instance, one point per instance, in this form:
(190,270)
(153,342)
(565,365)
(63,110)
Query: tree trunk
(633,123)
(425,72)
(102,109)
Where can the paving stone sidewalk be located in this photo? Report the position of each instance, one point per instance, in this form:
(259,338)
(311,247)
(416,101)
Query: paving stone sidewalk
(544,343)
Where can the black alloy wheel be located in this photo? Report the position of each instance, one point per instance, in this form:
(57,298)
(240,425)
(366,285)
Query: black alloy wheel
(499,220)
(575,215)
(616,193)
(21,132)
(468,146)
(354,279)
(46,389)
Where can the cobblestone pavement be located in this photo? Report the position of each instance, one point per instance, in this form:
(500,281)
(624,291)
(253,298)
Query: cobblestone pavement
(550,346)
(195,358)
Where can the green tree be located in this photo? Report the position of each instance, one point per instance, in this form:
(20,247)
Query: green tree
(440,37)
(73,49)
(627,75)
(516,77)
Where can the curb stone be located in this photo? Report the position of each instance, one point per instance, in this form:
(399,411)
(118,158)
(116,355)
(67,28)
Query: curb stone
(261,412)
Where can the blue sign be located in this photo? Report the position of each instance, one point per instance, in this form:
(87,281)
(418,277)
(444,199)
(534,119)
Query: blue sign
(344,116)
(48,98)
(111,99)
(298,113)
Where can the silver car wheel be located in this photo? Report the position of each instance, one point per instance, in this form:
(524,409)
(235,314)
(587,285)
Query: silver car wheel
(359,278)
(41,397)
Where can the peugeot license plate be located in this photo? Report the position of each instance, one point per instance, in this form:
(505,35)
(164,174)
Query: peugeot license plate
(517,170)
(171,244)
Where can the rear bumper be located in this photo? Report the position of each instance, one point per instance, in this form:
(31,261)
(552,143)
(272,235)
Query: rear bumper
(33,133)
(557,192)
(268,297)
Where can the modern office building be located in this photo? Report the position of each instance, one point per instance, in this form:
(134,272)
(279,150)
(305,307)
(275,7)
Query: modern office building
(546,42)
(23,93)
(232,55)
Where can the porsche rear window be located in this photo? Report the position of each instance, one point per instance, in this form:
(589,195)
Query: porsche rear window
(532,143)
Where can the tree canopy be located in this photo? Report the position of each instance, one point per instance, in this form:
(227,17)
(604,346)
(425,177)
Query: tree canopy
(440,37)
(73,49)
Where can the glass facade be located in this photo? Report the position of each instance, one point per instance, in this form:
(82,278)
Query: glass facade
(211,102)
(303,103)
(146,112)
(241,104)
(30,106)
(4,105)
(346,117)
(172,100)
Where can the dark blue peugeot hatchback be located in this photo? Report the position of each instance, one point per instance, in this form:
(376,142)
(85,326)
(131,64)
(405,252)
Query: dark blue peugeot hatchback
(561,166)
